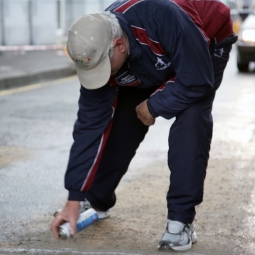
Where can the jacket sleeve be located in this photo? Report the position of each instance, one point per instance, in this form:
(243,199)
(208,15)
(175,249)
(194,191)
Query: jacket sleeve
(190,57)
(94,117)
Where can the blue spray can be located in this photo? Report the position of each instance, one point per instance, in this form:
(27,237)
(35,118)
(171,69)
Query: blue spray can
(85,219)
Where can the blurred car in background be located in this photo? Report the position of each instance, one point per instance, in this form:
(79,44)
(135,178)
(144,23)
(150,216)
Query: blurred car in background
(246,43)
(243,13)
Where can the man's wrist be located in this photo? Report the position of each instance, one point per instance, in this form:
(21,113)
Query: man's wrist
(151,110)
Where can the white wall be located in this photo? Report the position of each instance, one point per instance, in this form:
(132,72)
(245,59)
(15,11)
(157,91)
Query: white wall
(1,24)
(76,8)
(35,22)
(16,22)
(43,22)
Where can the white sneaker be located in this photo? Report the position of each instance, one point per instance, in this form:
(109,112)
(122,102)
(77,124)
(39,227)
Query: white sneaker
(178,236)
(85,205)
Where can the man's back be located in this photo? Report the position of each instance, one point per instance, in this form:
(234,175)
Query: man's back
(213,17)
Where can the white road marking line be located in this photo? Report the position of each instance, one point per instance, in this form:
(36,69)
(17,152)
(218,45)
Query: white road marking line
(69,251)
(64,251)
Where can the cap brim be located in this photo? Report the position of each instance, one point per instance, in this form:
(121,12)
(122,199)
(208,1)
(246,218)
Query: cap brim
(96,77)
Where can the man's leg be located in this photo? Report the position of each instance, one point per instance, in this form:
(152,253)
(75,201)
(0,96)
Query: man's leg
(189,146)
(126,134)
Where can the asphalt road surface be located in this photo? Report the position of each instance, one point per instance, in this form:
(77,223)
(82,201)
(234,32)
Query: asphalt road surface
(35,138)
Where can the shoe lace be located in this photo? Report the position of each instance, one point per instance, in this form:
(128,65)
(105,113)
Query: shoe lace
(175,229)
(186,228)
(85,205)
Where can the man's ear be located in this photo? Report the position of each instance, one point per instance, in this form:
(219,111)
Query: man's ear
(119,44)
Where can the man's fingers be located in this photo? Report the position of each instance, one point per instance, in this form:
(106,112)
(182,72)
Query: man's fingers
(72,227)
(151,122)
(144,115)
(55,225)
(70,213)
(146,121)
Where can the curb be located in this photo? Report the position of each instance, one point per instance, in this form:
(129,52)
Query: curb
(28,79)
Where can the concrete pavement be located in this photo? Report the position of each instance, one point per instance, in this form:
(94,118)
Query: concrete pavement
(30,64)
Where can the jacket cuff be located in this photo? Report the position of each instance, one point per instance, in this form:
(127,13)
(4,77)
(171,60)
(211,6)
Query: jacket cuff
(76,195)
(151,110)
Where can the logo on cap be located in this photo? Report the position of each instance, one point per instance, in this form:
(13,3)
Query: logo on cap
(82,61)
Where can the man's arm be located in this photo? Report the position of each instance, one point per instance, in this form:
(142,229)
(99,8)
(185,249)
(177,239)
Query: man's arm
(96,110)
(191,60)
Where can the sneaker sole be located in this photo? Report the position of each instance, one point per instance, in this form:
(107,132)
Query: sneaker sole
(166,246)
(103,215)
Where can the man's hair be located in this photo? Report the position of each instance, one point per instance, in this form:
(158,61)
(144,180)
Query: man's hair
(117,31)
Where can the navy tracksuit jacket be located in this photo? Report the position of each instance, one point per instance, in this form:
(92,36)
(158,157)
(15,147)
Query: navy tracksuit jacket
(176,63)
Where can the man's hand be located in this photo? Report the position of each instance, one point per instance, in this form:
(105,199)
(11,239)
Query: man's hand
(143,114)
(70,213)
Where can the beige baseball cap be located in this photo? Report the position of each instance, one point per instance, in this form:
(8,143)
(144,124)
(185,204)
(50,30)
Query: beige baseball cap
(88,45)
